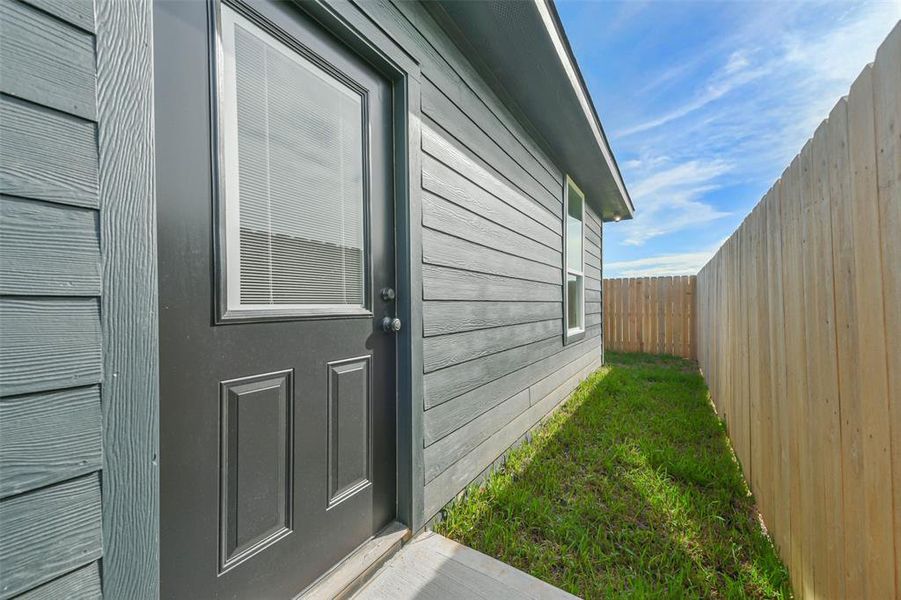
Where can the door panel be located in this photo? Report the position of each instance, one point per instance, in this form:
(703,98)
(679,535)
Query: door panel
(257,464)
(348,428)
(277,389)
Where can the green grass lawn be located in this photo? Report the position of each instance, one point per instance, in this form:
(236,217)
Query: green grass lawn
(629,490)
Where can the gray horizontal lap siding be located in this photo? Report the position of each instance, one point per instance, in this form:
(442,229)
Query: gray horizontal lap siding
(50,285)
(494,359)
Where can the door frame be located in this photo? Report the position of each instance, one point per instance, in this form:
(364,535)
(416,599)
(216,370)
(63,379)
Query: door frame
(130,500)
(350,25)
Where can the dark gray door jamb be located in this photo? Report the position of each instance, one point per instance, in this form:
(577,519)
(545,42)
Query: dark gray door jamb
(362,35)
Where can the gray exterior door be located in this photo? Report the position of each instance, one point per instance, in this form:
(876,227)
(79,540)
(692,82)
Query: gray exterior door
(276,254)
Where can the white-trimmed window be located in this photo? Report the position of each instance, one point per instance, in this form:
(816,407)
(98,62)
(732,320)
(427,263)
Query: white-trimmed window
(574,263)
(293,176)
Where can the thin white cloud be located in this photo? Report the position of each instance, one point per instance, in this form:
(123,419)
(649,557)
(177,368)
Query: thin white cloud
(670,199)
(765,100)
(735,73)
(687,175)
(825,65)
(685,263)
(771,85)
(738,60)
(627,12)
(684,214)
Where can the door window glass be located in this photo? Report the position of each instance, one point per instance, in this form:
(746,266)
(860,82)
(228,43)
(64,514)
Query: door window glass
(294,177)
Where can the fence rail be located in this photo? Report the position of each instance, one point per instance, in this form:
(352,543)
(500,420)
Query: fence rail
(650,314)
(799,338)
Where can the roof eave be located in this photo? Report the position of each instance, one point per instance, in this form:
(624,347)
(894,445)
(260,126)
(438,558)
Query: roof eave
(554,26)
(522,50)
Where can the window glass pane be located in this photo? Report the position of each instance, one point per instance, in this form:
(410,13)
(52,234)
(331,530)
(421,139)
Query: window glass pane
(574,301)
(574,230)
(298,133)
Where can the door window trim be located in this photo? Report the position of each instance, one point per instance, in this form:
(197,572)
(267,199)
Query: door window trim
(225,271)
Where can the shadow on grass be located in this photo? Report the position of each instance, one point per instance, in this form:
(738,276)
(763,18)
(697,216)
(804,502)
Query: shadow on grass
(630,490)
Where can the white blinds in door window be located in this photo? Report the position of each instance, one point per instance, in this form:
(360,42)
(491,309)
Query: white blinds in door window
(293,146)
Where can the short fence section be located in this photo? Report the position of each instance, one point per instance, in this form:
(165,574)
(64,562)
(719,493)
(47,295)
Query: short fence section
(799,339)
(650,314)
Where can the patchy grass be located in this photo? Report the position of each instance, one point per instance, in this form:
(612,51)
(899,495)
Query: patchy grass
(631,490)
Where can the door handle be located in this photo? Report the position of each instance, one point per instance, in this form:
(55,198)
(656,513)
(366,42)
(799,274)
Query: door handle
(391,324)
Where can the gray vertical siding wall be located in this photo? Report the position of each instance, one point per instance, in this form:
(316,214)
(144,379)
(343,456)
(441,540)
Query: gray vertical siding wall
(50,285)
(492,206)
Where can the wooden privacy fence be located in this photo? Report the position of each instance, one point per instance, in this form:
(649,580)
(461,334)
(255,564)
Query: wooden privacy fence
(650,314)
(799,339)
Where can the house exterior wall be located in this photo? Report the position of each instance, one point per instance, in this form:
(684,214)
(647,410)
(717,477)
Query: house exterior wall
(78,354)
(494,358)
(50,294)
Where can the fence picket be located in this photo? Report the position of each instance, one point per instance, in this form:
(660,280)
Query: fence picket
(652,314)
(887,101)
(799,338)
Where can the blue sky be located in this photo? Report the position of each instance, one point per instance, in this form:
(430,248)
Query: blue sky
(706,102)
